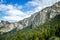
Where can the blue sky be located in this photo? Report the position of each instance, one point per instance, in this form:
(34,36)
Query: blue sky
(15,10)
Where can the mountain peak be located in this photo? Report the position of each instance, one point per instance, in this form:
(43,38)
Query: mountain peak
(36,19)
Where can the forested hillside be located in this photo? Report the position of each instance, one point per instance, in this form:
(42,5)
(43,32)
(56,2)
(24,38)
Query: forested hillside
(50,30)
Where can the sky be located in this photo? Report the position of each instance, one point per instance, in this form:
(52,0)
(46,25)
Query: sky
(16,10)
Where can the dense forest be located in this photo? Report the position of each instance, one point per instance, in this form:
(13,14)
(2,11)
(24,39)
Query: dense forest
(50,30)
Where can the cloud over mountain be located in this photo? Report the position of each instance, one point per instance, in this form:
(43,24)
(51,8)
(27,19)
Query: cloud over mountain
(16,12)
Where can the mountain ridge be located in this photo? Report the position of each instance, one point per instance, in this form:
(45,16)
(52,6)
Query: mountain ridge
(40,15)
(36,19)
(50,30)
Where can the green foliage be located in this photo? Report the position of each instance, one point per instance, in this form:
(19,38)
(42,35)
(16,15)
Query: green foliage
(48,31)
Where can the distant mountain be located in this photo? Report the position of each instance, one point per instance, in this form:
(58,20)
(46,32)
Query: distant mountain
(38,18)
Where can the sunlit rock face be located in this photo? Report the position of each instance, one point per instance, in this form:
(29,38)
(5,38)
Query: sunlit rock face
(34,20)
(6,26)
(42,16)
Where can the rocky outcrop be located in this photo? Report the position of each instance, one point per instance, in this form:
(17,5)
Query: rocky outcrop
(42,16)
(36,19)
(5,26)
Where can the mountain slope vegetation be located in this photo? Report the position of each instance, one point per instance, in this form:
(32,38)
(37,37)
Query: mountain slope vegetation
(36,19)
(50,30)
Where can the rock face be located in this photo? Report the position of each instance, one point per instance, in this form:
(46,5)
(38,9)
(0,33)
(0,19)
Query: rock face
(34,20)
(6,26)
(42,16)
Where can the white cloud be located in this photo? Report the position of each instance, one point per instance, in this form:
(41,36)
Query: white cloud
(4,7)
(49,2)
(40,4)
(15,13)
(33,3)
(12,18)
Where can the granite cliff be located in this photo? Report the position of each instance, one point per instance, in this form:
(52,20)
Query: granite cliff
(36,19)
(42,16)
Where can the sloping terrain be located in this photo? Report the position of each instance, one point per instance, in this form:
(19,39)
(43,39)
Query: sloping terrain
(42,16)
(50,30)
(38,18)
(43,25)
